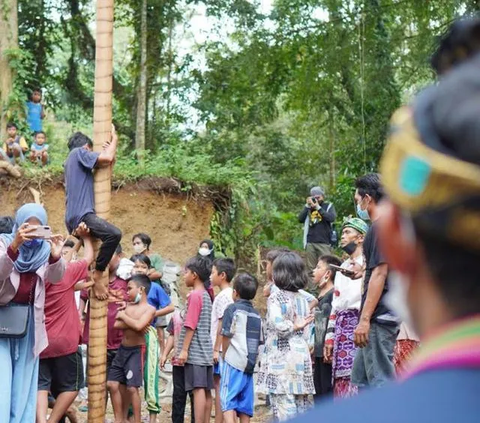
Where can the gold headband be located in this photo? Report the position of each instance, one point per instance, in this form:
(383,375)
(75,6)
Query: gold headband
(417,177)
(436,189)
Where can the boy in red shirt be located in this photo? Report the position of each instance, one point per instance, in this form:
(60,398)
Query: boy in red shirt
(61,368)
(117,289)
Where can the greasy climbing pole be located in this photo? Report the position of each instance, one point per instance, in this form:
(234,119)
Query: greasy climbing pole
(102,121)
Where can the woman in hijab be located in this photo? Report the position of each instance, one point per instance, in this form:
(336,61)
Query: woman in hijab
(25,263)
(207,249)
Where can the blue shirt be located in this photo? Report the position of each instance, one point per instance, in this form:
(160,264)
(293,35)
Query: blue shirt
(79,194)
(34,116)
(436,396)
(157,298)
(37,147)
(242,323)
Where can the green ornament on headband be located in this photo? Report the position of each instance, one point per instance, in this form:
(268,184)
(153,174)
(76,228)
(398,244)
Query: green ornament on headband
(357,224)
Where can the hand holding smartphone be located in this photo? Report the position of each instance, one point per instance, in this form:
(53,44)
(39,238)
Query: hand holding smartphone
(40,232)
(348,273)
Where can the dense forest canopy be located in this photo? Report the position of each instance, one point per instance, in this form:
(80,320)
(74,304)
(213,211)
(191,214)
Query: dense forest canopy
(275,97)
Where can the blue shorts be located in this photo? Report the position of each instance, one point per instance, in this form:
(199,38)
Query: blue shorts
(236,390)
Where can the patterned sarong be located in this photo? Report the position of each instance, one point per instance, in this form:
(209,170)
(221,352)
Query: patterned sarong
(403,353)
(344,348)
(343,388)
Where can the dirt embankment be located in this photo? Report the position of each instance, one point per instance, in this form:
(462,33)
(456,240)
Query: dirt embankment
(175,219)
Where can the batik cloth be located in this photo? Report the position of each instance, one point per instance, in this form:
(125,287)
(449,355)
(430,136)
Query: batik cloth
(402,354)
(344,348)
(343,388)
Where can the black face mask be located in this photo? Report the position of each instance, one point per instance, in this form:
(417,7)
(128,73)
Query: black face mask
(350,248)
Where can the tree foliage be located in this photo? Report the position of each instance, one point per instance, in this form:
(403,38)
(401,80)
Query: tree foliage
(283,98)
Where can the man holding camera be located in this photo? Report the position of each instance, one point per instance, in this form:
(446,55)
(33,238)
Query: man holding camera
(317,217)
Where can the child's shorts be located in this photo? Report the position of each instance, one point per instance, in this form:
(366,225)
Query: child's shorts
(61,374)
(198,377)
(127,366)
(236,390)
(161,322)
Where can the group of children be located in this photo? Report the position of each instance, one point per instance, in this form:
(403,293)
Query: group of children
(15,148)
(214,344)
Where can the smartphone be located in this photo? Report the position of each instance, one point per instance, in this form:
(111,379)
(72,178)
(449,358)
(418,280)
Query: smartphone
(42,232)
(346,272)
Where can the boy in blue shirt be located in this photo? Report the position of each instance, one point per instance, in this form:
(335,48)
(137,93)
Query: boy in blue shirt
(80,200)
(35,113)
(39,150)
(242,335)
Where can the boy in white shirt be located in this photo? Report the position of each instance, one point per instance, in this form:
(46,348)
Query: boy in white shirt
(223,271)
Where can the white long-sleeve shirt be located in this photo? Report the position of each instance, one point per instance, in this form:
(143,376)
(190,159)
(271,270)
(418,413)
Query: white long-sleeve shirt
(347,295)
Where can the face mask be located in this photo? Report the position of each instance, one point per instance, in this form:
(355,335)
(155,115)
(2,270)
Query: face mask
(137,298)
(323,281)
(33,243)
(350,248)
(396,298)
(362,214)
(139,248)
(204,251)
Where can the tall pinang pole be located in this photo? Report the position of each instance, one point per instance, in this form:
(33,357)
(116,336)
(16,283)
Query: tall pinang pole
(102,122)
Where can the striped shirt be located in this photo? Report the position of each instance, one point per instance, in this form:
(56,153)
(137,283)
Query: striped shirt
(198,318)
(243,325)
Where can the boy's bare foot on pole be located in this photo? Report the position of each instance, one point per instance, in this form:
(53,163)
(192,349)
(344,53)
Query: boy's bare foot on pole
(99,289)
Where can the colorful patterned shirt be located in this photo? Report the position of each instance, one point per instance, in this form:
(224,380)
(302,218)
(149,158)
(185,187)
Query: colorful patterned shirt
(285,364)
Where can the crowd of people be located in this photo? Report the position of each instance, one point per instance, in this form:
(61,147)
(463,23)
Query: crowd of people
(335,326)
(303,348)
(15,149)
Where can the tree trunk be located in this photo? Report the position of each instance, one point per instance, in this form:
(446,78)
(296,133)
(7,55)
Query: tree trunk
(8,40)
(142,87)
(102,122)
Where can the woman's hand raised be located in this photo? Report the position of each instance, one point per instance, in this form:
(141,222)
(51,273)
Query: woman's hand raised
(22,236)
(56,245)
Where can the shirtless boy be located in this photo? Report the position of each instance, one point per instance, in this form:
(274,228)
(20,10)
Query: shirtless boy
(126,373)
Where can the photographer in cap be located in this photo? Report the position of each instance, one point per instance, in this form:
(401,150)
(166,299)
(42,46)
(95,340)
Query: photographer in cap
(317,217)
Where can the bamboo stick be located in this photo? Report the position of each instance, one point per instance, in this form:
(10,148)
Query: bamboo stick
(102,122)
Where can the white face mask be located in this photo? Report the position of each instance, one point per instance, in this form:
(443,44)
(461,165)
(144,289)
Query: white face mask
(139,248)
(396,298)
(203,251)
(137,298)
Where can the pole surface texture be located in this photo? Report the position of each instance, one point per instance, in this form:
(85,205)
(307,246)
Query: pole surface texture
(102,122)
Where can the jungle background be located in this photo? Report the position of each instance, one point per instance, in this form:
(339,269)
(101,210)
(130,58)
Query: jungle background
(260,99)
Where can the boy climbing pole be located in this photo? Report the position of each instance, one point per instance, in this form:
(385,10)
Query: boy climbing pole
(80,203)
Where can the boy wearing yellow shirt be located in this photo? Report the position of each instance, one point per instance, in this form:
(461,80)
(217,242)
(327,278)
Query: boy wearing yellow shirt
(15,146)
